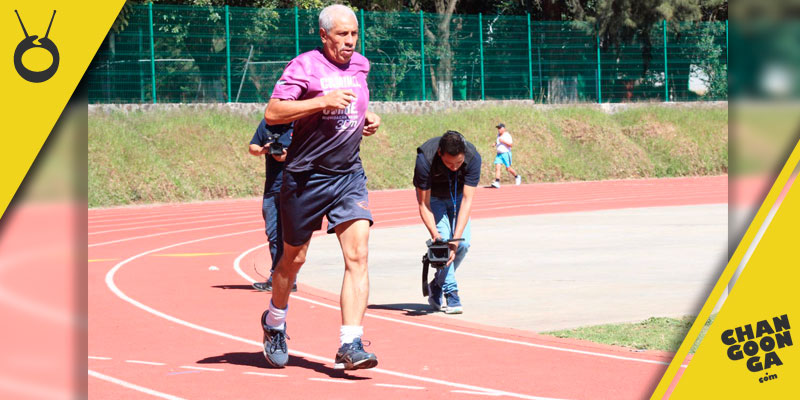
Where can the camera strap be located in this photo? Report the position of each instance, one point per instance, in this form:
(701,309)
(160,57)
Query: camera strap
(453,196)
(425,264)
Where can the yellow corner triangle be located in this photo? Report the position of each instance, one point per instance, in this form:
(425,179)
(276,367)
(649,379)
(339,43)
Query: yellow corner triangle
(766,363)
(765,290)
(32,108)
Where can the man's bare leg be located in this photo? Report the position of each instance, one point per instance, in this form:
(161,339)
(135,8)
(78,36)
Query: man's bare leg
(354,240)
(497,172)
(285,273)
(273,320)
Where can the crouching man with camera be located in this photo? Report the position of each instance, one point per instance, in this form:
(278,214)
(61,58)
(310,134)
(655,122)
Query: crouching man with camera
(447,171)
(272,141)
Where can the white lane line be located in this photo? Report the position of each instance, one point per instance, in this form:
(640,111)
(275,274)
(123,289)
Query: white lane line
(330,380)
(133,386)
(172,232)
(477,393)
(202,368)
(139,224)
(266,374)
(165,214)
(23,258)
(141,227)
(237,267)
(399,386)
(119,293)
(144,362)
(99,358)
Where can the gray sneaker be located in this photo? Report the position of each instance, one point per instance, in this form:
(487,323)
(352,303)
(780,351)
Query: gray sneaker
(353,356)
(275,350)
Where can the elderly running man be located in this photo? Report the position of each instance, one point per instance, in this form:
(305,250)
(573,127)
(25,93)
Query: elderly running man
(324,91)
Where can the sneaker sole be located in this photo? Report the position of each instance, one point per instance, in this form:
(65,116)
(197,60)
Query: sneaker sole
(363,364)
(453,310)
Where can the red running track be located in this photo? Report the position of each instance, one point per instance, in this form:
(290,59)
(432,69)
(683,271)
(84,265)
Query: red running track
(163,323)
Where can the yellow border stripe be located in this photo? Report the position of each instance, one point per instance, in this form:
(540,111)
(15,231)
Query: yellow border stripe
(727,274)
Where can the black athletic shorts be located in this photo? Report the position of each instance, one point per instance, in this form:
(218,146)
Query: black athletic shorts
(307,196)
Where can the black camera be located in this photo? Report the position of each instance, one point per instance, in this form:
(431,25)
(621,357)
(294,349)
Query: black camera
(437,256)
(438,252)
(275,147)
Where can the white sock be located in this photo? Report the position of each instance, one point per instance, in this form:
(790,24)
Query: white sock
(348,333)
(276,317)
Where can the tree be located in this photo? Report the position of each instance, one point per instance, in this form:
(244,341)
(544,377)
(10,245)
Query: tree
(442,76)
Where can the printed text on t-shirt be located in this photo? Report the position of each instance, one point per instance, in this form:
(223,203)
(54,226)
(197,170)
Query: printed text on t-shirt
(348,117)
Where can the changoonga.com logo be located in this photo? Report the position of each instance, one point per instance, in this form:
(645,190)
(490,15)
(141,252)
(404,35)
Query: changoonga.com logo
(760,346)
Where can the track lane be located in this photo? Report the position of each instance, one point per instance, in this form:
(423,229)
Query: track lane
(187,289)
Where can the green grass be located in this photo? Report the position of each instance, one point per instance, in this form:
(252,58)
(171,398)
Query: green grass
(656,333)
(763,136)
(185,155)
(652,334)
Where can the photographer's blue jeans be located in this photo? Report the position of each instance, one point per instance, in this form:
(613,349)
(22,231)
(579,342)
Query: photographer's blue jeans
(271,211)
(443,214)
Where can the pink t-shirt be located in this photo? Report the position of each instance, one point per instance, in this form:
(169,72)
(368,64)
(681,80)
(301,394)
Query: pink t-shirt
(328,141)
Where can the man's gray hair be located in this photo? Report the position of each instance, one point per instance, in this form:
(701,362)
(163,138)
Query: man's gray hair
(328,13)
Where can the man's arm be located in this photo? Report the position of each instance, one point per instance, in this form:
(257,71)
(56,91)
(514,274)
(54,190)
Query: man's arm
(425,212)
(505,142)
(285,111)
(257,150)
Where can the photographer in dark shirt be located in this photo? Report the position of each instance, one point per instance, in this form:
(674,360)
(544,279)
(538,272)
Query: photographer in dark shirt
(272,141)
(447,171)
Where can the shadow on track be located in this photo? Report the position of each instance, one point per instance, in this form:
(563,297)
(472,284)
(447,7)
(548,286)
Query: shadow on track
(245,287)
(410,309)
(257,360)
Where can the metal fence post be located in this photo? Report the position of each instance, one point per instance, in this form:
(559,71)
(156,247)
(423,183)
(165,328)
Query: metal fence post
(666,74)
(539,62)
(422,51)
(480,37)
(530,57)
(726,42)
(599,72)
(363,31)
(139,65)
(152,51)
(296,34)
(228,50)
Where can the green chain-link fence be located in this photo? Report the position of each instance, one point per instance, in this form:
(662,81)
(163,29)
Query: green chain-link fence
(184,54)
